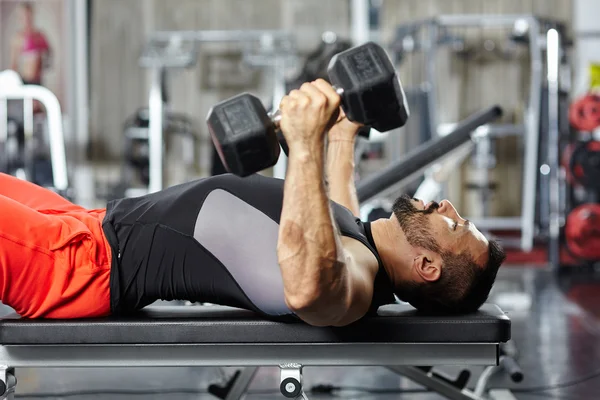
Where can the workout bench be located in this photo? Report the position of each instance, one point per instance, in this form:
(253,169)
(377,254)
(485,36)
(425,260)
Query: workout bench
(397,338)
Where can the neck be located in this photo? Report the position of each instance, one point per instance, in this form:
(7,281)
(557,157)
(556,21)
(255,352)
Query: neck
(385,238)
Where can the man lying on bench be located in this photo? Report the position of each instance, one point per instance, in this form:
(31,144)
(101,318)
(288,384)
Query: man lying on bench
(280,248)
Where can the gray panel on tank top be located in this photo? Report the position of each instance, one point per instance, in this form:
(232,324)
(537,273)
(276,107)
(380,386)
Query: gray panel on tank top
(244,240)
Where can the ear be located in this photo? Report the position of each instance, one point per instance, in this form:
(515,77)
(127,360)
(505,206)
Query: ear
(428,265)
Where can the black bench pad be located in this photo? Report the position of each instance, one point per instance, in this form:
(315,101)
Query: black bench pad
(396,323)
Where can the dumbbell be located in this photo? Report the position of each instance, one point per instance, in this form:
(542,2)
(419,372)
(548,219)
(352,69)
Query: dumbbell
(245,135)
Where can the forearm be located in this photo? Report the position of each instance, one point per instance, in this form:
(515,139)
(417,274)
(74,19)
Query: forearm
(340,173)
(309,249)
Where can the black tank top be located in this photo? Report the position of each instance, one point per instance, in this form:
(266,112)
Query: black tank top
(212,240)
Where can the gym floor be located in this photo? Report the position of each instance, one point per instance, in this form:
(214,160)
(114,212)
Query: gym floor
(555,328)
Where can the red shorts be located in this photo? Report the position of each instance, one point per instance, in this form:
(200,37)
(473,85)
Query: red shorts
(54,259)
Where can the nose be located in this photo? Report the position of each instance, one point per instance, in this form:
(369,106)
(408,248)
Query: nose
(446,208)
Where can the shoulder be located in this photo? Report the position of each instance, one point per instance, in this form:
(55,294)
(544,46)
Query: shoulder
(360,257)
(361,269)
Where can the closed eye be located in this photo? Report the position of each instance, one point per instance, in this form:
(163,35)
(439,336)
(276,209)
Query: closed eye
(454,226)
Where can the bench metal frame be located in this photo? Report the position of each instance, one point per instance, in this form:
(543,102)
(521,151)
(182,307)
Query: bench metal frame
(290,357)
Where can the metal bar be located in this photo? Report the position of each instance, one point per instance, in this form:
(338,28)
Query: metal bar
(430,382)
(483,149)
(222,35)
(4,150)
(431,78)
(359,19)
(81,69)
(28,118)
(484,378)
(241,384)
(502,130)
(501,394)
(481,20)
(55,127)
(497,223)
(279,89)
(588,34)
(71,88)
(155,132)
(11,384)
(216,355)
(532,132)
(29,140)
(3,119)
(553,65)
(423,156)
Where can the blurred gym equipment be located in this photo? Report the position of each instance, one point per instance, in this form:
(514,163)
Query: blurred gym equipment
(317,61)
(29,165)
(166,50)
(135,172)
(581,161)
(539,119)
(414,163)
(584,114)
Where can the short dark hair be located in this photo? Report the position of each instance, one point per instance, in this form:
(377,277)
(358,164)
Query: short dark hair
(462,287)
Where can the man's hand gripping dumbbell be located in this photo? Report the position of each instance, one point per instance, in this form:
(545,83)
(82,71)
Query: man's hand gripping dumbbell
(369,91)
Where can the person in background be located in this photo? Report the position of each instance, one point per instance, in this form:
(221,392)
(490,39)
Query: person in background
(29,48)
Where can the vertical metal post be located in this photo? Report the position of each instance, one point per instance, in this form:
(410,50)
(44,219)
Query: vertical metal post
(3,135)
(71,67)
(81,69)
(532,132)
(431,382)
(280,168)
(11,384)
(56,136)
(28,93)
(155,131)
(241,384)
(553,63)
(431,76)
(30,144)
(3,120)
(483,161)
(431,85)
(8,383)
(28,118)
(359,21)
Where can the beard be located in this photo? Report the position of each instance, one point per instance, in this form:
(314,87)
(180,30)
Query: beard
(415,223)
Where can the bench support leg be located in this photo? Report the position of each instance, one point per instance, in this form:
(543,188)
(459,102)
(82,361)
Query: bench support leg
(242,381)
(291,381)
(494,394)
(501,394)
(236,387)
(434,383)
(8,383)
